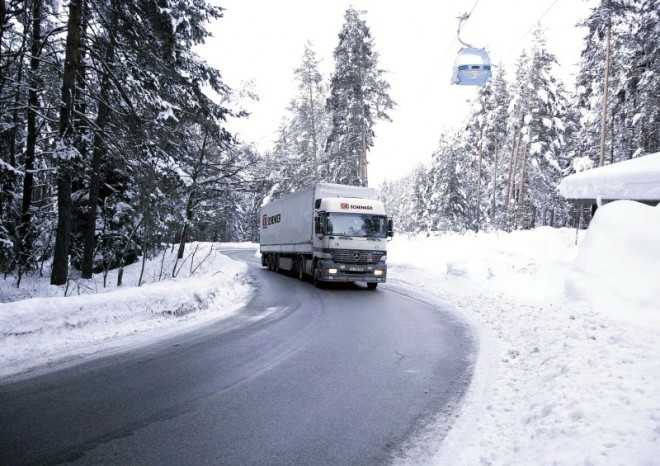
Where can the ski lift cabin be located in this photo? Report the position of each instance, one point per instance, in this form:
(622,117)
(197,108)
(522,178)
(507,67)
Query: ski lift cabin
(471,67)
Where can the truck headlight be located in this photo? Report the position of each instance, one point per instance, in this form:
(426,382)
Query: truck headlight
(332,271)
(378,273)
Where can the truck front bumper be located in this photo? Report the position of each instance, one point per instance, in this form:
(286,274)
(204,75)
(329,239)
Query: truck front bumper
(337,272)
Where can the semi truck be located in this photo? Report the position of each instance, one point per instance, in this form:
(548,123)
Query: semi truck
(327,232)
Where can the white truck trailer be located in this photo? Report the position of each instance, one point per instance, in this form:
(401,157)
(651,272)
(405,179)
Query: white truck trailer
(329,232)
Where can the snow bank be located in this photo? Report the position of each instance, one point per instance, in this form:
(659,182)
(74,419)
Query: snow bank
(619,263)
(637,179)
(37,331)
(560,378)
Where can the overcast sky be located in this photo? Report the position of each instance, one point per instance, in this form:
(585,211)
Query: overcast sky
(263,40)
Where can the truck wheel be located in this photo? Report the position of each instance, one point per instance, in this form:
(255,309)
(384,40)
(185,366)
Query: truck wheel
(269,262)
(301,268)
(372,286)
(317,276)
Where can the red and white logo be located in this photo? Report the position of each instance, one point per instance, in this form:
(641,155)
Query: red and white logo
(345,205)
(272,220)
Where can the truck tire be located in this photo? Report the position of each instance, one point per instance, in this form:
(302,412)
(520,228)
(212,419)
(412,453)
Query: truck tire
(372,286)
(301,268)
(317,276)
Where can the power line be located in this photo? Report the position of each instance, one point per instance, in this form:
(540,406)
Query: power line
(451,45)
(537,21)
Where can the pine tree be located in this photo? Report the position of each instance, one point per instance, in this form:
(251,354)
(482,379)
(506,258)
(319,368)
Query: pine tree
(499,146)
(631,123)
(486,135)
(309,121)
(358,99)
(538,113)
(299,145)
(448,200)
(544,163)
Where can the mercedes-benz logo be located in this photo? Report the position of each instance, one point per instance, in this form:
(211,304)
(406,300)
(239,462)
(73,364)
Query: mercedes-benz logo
(356,255)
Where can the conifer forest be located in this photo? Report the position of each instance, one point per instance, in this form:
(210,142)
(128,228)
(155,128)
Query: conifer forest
(114,139)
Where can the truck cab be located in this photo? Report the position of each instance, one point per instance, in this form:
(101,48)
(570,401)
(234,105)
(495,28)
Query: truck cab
(350,235)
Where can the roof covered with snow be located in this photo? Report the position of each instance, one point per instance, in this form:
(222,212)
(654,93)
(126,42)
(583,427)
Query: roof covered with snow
(635,179)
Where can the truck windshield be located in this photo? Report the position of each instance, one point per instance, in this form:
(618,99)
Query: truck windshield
(360,225)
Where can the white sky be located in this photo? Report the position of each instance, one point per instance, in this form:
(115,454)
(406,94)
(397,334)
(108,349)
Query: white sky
(263,40)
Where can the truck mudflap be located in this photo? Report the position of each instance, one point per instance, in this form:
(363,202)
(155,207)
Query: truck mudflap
(331,271)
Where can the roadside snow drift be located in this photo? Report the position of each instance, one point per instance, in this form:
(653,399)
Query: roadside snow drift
(36,331)
(620,262)
(569,365)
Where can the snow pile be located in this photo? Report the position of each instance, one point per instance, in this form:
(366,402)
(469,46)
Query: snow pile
(51,327)
(569,363)
(621,262)
(637,179)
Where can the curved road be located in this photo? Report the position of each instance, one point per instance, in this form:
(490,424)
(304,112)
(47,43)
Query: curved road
(300,376)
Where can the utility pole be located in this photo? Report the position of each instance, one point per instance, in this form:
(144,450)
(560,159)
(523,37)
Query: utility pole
(603,123)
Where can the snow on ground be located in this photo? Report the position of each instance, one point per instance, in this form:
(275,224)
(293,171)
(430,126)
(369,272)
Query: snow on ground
(39,325)
(568,370)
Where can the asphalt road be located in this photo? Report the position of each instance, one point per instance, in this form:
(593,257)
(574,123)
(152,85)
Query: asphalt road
(300,376)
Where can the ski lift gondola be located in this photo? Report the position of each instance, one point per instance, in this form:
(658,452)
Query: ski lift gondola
(472,64)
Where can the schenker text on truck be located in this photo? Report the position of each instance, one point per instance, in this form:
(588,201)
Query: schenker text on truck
(329,233)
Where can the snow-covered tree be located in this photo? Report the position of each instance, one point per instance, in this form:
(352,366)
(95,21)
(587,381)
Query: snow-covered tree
(448,203)
(627,31)
(359,97)
(486,134)
(539,149)
(309,120)
(499,145)
(120,79)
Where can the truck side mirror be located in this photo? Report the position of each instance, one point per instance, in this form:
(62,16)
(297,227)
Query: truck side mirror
(390,228)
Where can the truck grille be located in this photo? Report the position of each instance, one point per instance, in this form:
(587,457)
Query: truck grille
(355,256)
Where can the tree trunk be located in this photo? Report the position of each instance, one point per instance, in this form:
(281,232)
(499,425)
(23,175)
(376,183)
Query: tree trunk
(494,196)
(8,140)
(25,234)
(3,17)
(606,78)
(98,151)
(512,164)
(313,116)
(363,159)
(481,156)
(184,232)
(523,169)
(60,270)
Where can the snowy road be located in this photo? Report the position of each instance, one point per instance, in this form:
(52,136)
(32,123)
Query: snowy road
(300,376)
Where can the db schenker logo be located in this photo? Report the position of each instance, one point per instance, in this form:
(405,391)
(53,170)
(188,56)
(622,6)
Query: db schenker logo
(266,220)
(347,206)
